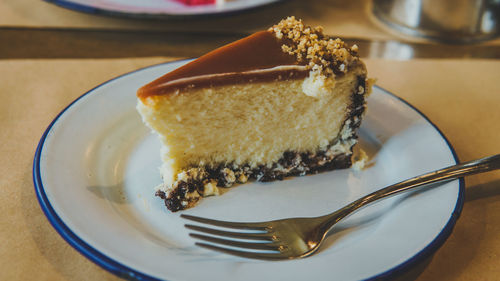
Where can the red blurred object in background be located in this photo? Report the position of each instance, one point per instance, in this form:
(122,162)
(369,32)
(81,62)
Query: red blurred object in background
(196,2)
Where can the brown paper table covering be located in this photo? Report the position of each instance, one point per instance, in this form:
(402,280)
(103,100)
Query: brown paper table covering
(461,97)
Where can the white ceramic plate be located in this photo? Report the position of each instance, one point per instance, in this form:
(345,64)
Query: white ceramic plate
(158,8)
(96,166)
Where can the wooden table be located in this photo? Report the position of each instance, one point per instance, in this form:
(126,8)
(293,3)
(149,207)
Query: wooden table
(49,56)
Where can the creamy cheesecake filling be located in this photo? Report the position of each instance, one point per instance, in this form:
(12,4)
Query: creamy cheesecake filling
(255,128)
(196,182)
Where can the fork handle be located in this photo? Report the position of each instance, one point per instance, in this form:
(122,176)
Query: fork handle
(452,172)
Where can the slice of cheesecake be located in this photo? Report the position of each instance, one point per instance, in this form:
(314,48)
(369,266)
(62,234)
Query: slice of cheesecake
(282,102)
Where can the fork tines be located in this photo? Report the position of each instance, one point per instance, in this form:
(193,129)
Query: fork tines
(262,245)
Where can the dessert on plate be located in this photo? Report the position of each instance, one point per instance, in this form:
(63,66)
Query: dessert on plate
(282,102)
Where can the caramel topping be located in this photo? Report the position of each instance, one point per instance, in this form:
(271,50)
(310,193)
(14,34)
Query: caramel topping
(262,50)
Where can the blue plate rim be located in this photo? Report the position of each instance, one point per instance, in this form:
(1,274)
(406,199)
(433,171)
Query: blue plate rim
(126,272)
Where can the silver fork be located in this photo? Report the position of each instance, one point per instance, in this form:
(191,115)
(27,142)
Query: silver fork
(301,237)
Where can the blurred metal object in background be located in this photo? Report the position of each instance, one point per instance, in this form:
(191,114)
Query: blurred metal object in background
(451,21)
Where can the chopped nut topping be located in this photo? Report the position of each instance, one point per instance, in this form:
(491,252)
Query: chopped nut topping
(309,44)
